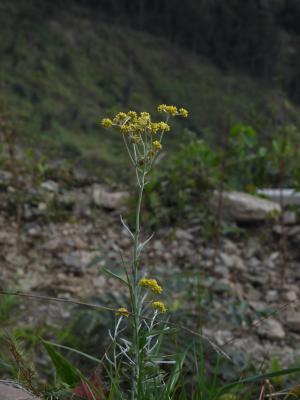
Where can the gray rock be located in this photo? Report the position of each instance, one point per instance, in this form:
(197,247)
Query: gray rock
(229,247)
(269,264)
(68,198)
(238,263)
(282,196)
(271,329)
(253,248)
(5,176)
(294,231)
(293,321)
(272,295)
(183,235)
(53,244)
(223,285)
(7,237)
(79,260)
(243,207)
(232,261)
(289,218)
(226,260)
(222,270)
(258,306)
(109,200)
(253,263)
(50,186)
(208,253)
(42,206)
(222,337)
(251,293)
(10,390)
(258,279)
(277,229)
(275,256)
(290,296)
(158,246)
(17,259)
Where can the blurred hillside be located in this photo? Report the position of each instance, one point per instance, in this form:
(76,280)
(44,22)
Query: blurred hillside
(65,66)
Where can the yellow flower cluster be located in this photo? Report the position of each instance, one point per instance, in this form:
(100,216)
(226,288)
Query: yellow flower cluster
(139,129)
(172,110)
(133,124)
(151,284)
(159,126)
(122,312)
(159,305)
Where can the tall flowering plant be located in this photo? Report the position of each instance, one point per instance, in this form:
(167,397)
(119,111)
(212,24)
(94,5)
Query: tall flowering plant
(137,359)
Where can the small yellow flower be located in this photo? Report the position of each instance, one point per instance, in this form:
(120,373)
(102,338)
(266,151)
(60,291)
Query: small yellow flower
(183,112)
(159,305)
(154,127)
(132,114)
(145,115)
(151,284)
(106,122)
(157,145)
(121,116)
(164,126)
(126,128)
(161,108)
(172,110)
(122,312)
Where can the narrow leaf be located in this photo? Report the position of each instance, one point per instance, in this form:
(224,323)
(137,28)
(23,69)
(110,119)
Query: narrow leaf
(64,369)
(92,358)
(108,272)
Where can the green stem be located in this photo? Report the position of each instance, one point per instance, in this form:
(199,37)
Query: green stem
(136,300)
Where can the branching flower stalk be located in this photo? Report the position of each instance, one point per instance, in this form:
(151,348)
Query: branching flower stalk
(143,141)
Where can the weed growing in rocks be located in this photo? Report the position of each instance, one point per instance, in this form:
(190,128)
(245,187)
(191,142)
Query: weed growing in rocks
(138,359)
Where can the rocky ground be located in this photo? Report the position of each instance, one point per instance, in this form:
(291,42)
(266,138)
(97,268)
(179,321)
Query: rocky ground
(232,287)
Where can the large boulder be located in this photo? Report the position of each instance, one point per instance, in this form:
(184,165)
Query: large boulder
(243,207)
(284,197)
(10,390)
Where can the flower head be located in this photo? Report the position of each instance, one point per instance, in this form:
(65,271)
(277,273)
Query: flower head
(159,305)
(163,126)
(126,128)
(163,108)
(159,126)
(157,145)
(172,110)
(132,114)
(122,311)
(106,122)
(121,116)
(183,112)
(151,284)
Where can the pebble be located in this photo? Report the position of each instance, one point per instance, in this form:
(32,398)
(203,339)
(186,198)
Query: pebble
(271,329)
(293,321)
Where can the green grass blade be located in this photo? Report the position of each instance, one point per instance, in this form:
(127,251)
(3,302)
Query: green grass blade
(81,353)
(64,369)
(255,378)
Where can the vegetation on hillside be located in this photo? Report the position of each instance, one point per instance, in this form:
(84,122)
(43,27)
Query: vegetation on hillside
(61,68)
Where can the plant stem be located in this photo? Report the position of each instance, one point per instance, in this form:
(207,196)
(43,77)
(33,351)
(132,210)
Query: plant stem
(136,302)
